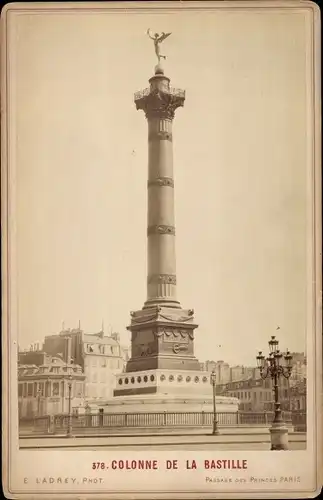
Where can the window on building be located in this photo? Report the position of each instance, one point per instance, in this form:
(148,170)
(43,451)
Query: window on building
(56,389)
(41,388)
(30,389)
(78,389)
(20,390)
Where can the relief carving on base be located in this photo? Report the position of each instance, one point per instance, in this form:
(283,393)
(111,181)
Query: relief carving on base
(177,348)
(175,334)
(143,350)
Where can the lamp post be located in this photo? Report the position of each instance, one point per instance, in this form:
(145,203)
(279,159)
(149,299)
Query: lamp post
(272,367)
(69,426)
(38,402)
(215,430)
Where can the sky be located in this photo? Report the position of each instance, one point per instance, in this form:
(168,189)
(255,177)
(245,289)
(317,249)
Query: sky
(240,158)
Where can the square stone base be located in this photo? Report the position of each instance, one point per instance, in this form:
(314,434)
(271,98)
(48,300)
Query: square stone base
(151,391)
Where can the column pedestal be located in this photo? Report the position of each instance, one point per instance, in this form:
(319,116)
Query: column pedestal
(162,338)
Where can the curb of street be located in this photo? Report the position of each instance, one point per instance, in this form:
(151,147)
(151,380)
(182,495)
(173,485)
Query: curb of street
(138,445)
(60,436)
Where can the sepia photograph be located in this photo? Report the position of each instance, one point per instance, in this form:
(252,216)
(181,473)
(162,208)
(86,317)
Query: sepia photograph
(162,272)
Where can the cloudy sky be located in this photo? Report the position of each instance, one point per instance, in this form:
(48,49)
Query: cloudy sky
(240,157)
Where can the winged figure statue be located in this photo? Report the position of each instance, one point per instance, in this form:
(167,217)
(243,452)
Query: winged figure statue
(158,39)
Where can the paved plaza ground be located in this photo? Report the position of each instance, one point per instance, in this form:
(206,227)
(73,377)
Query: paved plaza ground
(228,442)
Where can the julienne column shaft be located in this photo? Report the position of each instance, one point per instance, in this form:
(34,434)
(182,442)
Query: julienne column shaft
(161,279)
(159,103)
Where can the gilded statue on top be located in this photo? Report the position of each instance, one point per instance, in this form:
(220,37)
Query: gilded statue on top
(158,39)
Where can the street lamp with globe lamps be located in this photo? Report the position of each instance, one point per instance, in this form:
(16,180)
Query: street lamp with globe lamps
(272,367)
(39,393)
(69,426)
(215,430)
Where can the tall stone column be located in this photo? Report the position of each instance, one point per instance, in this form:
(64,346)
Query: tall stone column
(159,103)
(162,332)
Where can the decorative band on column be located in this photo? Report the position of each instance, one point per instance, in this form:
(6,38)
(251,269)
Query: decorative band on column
(162,278)
(162,135)
(161,181)
(161,229)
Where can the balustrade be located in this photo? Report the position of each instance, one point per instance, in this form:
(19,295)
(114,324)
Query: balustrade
(160,419)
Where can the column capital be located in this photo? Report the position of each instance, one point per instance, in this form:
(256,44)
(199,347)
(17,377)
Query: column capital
(160,103)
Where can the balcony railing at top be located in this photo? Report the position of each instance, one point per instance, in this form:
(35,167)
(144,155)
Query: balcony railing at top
(170,90)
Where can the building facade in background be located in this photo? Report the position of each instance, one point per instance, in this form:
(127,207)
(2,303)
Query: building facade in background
(89,362)
(226,373)
(298,397)
(299,370)
(100,356)
(256,394)
(43,387)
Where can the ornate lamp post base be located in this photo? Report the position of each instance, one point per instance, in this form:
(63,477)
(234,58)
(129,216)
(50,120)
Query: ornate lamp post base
(69,433)
(215,431)
(278,436)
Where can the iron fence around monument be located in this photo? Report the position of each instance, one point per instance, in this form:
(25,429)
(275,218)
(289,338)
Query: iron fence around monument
(56,424)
